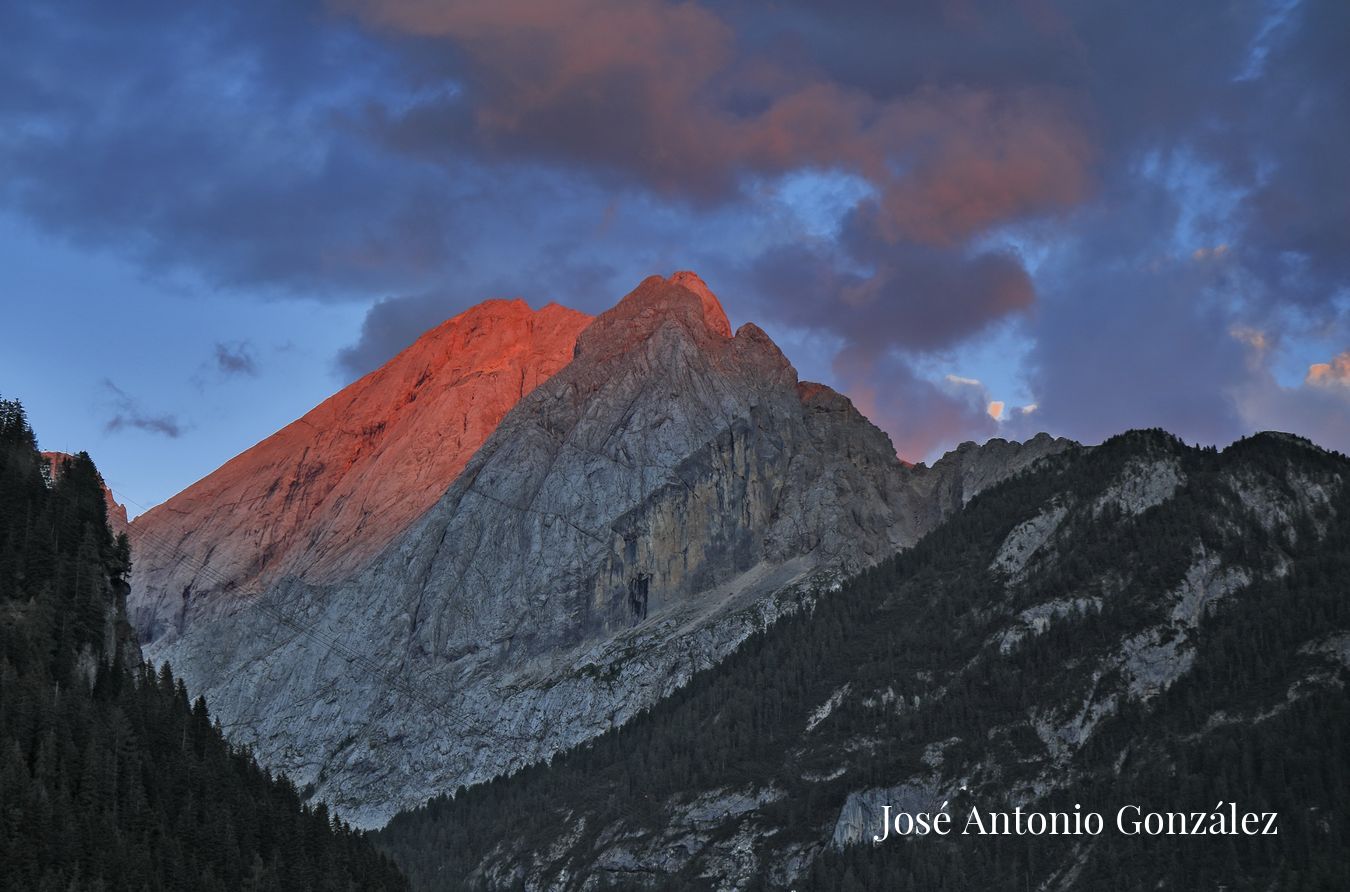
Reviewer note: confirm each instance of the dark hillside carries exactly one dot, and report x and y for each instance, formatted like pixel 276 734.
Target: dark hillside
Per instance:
pixel 109 778
pixel 1140 622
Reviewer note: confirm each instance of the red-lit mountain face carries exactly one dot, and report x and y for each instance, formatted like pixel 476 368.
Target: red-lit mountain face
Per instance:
pixel 319 498
pixel 630 520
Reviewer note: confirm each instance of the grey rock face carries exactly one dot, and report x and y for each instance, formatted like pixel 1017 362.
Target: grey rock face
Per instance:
pixel 1026 539
pixel 631 521
pixel 1143 484
pixel 860 818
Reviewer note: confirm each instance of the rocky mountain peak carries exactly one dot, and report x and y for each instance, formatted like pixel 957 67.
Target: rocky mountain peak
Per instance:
pixel 633 518
pixel 682 300
pixel 713 314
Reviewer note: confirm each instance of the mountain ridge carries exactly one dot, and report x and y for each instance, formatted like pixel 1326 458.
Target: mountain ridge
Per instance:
pixel 669 491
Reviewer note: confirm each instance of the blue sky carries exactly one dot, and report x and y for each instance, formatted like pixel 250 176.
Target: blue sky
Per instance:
pixel 1122 214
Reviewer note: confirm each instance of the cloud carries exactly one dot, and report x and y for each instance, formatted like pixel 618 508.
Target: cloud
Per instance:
pixel 909 296
pixel 127 414
pixel 1132 332
pixel 1252 148
pixel 236 358
pixel 1257 341
pixel 1334 374
pixel 391 325
pixel 672 97
pixel 1317 408
pixel 1122 184
pixel 560 275
pixel 923 419
pixel 1126 333
pixel 205 139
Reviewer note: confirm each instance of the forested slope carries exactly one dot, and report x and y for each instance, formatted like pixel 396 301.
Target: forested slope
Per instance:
pixel 1140 622
pixel 109 778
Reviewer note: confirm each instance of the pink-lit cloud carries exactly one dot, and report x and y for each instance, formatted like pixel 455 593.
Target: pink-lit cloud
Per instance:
pixel 1333 374
pixel 667 93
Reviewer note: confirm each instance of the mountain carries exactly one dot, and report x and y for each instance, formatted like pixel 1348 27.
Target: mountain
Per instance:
pixel 109 778
pixel 117 512
pixel 671 490
pixel 1140 624
pixel 319 498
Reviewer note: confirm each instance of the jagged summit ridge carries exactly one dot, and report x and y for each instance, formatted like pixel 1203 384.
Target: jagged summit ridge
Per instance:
pixel 680 300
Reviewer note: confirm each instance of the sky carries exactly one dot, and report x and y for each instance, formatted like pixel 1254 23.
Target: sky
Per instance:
pixel 975 219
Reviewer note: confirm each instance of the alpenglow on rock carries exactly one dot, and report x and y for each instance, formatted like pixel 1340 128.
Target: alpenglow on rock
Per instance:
pixel 630 521
pixel 321 497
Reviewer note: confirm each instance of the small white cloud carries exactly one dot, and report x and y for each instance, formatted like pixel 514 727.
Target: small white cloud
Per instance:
pixel 966 382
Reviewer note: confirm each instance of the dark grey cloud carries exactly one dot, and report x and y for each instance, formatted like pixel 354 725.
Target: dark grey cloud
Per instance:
pixel 555 275
pixel 126 413
pixel 208 138
pixel 909 297
pixel 1292 143
pixel 236 358
pixel 922 418
pixel 391 325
